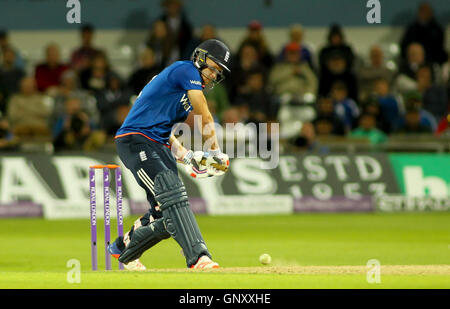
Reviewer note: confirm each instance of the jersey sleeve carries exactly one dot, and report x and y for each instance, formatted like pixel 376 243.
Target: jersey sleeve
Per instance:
pixel 187 77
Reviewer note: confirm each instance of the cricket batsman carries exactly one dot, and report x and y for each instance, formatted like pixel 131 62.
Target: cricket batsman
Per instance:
pixel 147 147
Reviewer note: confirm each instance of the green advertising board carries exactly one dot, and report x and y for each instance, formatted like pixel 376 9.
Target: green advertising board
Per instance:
pixel 423 181
pixel 422 174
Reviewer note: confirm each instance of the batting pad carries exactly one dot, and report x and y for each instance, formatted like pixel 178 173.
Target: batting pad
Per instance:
pixel 178 217
pixel 144 237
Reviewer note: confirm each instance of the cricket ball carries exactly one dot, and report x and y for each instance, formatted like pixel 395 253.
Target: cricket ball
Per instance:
pixel 265 258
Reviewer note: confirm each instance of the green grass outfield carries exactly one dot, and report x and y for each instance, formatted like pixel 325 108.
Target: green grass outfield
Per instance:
pixel 308 251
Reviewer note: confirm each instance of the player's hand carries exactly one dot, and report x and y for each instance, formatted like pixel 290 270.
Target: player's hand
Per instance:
pixel 216 162
pixel 193 164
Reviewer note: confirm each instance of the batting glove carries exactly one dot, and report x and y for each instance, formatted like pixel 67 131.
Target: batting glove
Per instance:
pixel 194 167
pixel 216 162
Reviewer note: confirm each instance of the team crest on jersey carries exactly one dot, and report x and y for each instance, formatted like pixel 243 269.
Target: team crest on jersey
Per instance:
pixel 185 102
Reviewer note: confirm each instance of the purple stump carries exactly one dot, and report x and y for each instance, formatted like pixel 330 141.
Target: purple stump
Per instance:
pixel 93 218
pixel 107 217
pixel 119 206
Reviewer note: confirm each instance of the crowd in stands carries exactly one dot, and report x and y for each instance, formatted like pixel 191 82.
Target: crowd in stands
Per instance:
pixel 78 105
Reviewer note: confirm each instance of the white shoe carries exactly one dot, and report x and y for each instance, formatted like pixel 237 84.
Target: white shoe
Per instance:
pixel 205 263
pixel 135 265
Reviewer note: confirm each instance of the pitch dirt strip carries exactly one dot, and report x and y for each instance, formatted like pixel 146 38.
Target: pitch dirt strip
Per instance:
pixel 322 270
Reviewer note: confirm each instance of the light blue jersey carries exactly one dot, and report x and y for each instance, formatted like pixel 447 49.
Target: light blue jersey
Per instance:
pixel 163 102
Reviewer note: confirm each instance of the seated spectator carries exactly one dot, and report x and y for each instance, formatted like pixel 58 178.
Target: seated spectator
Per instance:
pixel 391 112
pixel 256 37
pixel 146 71
pixel 48 74
pixel 10 76
pixel 247 61
pixel 162 43
pixel 296 35
pixel 95 77
pixel 345 108
pixel 426 31
pixel 73 131
pixel 337 69
pixel 371 106
pixel 336 43
pixel 443 126
pixel 435 98
pixel 414 101
pixel 373 71
pixel 29 111
pixel 70 89
pixel 19 62
pixel 326 117
pixel 109 101
pixel 82 57
pixel 253 99
pixel 292 76
pixel 7 139
pixel 405 80
pixel 367 128
pixel 178 27
pixel 413 123
pixel 208 31
pixel 326 126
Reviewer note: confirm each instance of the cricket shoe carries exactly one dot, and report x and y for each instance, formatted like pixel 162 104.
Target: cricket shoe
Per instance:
pixel 205 262
pixel 135 265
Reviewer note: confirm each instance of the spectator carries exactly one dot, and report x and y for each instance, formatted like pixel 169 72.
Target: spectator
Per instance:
pixel 336 43
pixel 95 77
pixel 414 101
pixel 162 43
pixel 326 117
pixel 112 102
pixel 337 69
pixel 292 76
pixel 208 32
pixel 253 99
pixel 296 34
pixel 367 129
pixel 146 71
pixel 72 130
pixel 82 57
pixel 434 96
pixel 256 37
pixel 373 71
pixel 29 111
pixel 179 26
pixel 413 123
pixel 444 126
pixel 70 89
pixel 6 45
pixel 7 139
pixel 391 111
pixel 247 61
pixel 325 126
pixel 48 74
pixel 426 31
pixel 10 76
pixel 405 81
pixel 345 108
